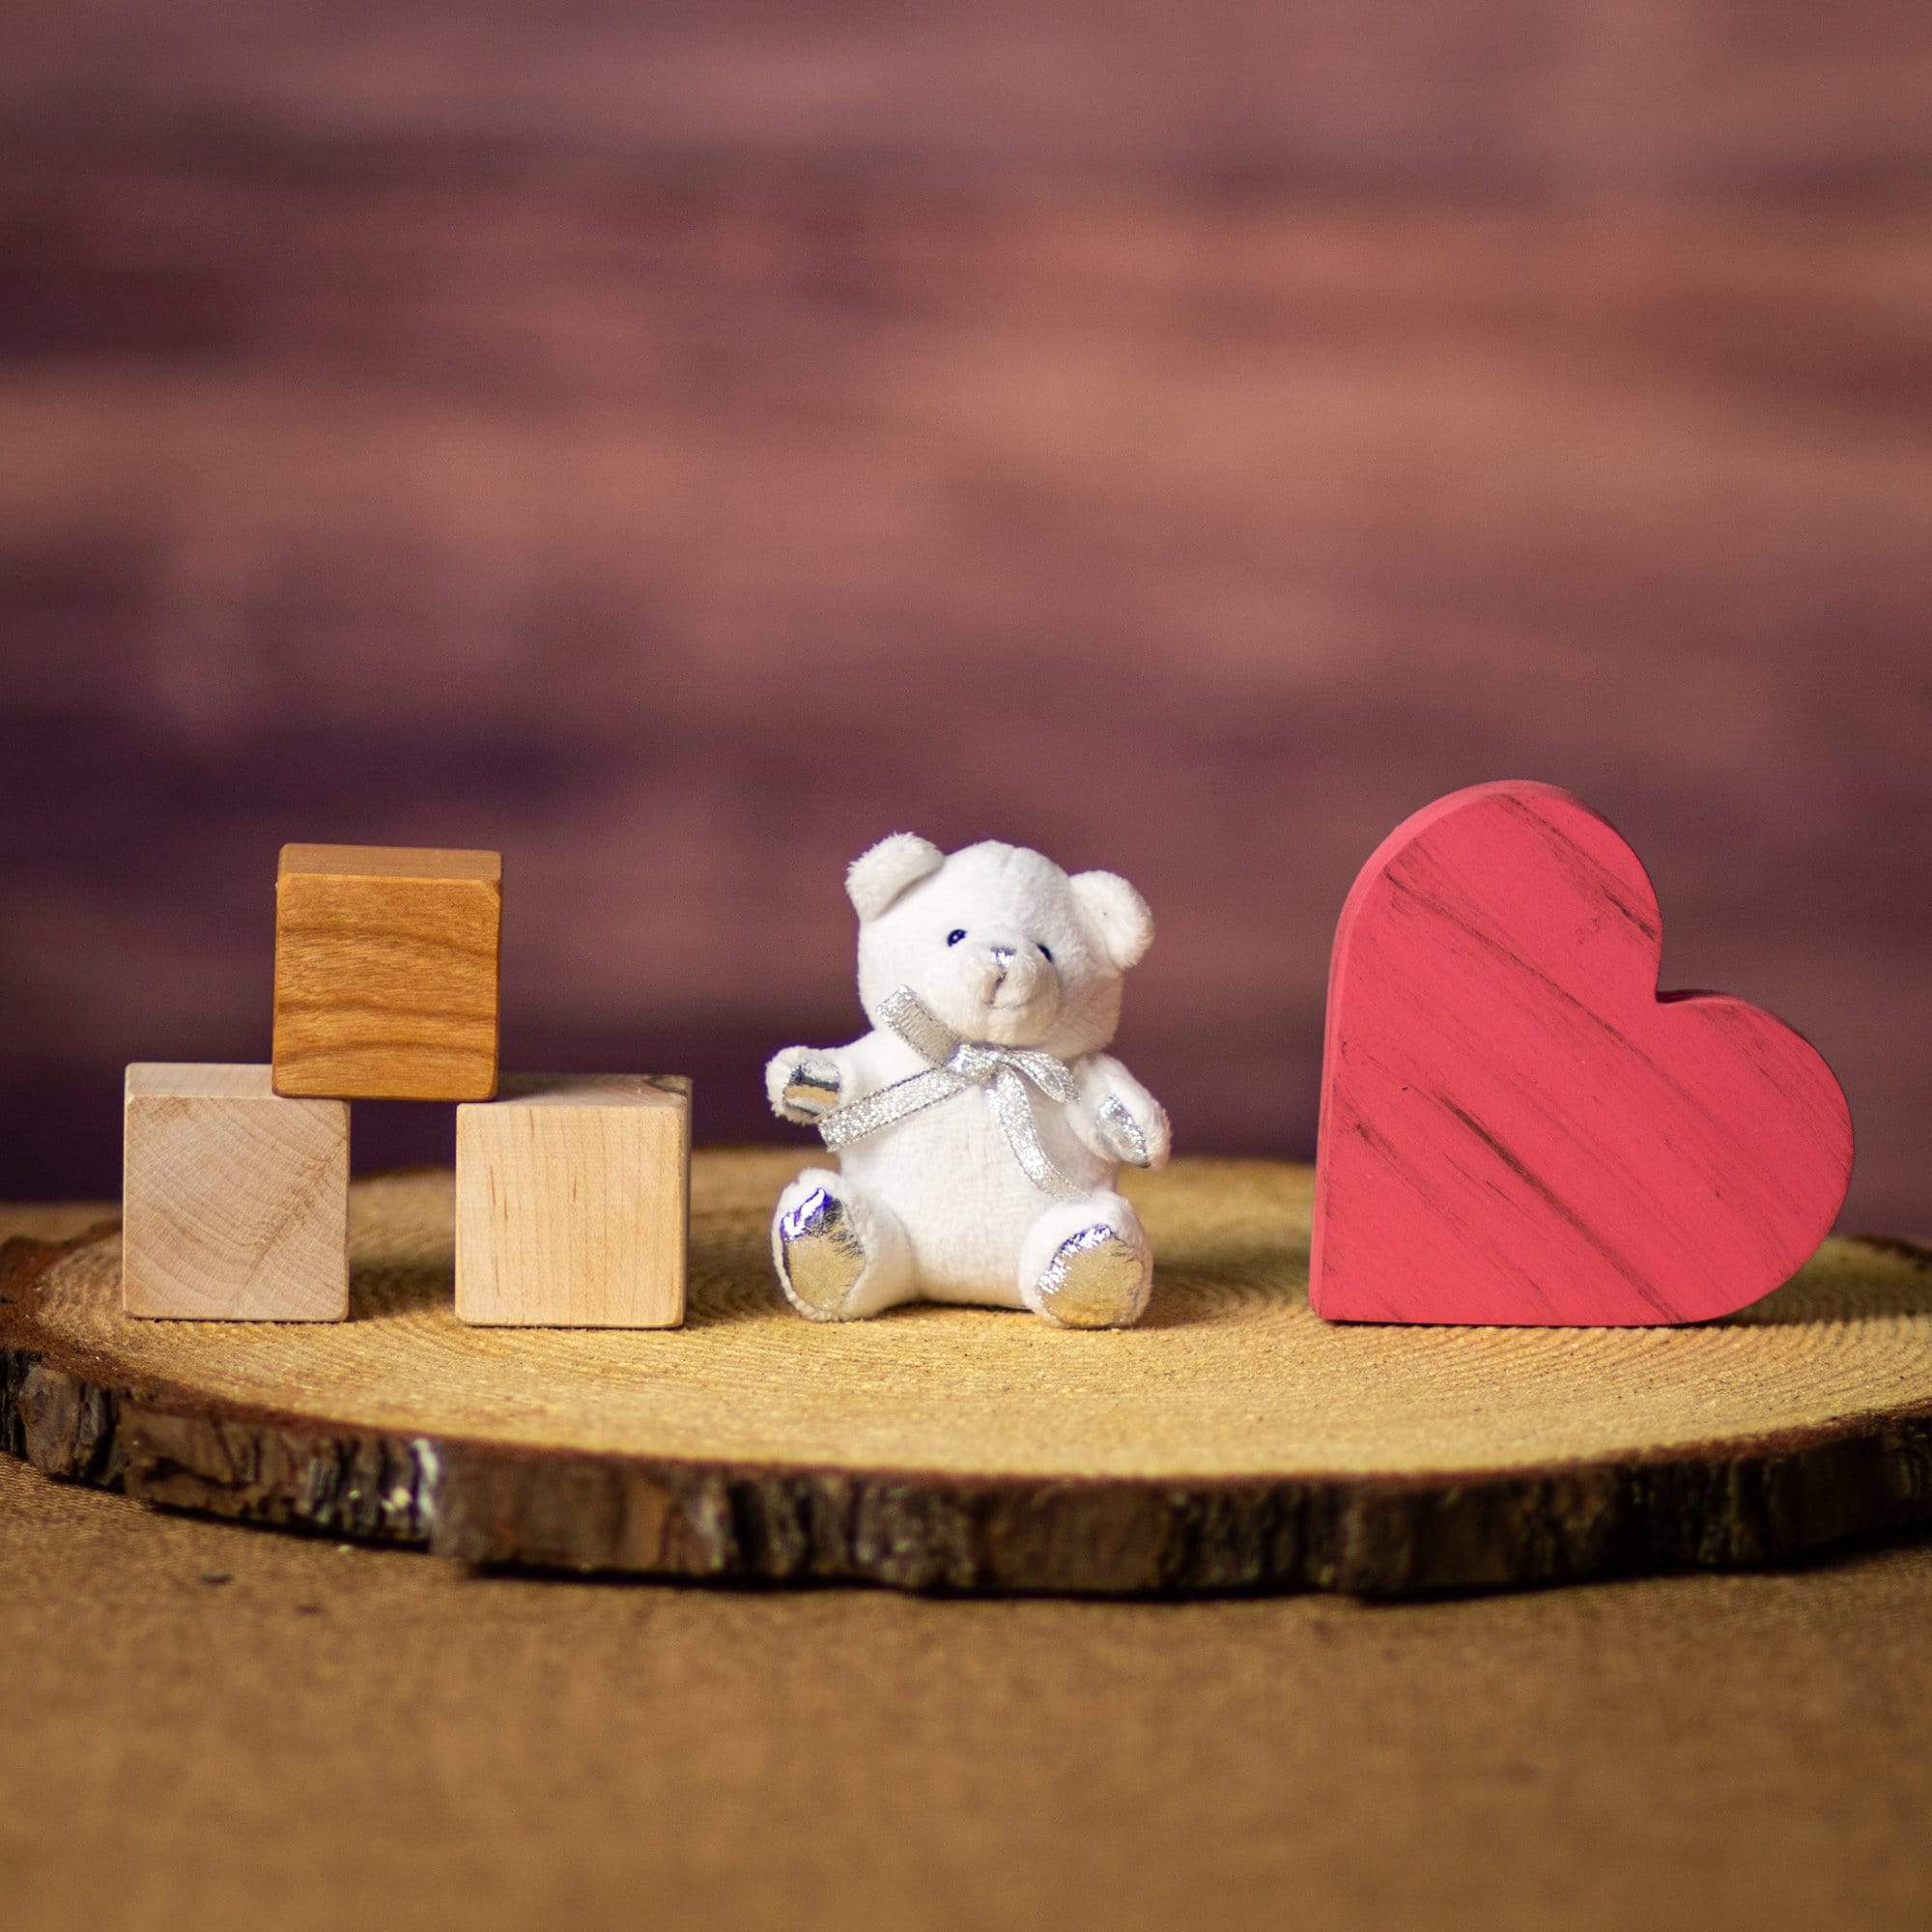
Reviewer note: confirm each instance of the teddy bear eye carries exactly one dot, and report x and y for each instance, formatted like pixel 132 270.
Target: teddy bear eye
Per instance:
pixel 1046 951
pixel 953 937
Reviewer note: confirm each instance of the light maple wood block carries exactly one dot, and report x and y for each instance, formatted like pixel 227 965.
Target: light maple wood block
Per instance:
pixel 235 1199
pixel 386 973
pixel 572 1196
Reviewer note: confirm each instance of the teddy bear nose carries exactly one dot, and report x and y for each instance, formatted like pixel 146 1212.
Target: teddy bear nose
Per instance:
pixel 1003 955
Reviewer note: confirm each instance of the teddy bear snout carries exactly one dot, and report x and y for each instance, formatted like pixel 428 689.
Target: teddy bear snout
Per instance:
pixel 1010 978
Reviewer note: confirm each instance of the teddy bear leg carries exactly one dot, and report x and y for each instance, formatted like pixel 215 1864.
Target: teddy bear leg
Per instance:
pixel 1086 1263
pixel 840 1254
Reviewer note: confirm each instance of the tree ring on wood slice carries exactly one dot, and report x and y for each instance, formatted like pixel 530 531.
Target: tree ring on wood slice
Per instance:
pixel 1231 1441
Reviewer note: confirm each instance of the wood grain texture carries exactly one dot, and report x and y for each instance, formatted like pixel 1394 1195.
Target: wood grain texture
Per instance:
pixel 572 1202
pixel 235 1201
pixel 425 864
pixel 467 425
pixel 1515 1125
pixel 1231 1441
pixel 386 973
pixel 1575 95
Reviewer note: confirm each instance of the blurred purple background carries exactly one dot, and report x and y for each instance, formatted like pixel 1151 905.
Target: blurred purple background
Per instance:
pixel 677 446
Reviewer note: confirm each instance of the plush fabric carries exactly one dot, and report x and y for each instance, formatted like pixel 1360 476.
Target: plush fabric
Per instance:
pixel 1003 948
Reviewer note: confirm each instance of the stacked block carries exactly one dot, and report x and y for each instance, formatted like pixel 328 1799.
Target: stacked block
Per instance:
pixel 572 1190
pixel 235 1201
pixel 572 1201
pixel 386 973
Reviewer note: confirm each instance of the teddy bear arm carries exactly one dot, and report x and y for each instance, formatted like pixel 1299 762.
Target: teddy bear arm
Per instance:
pixel 806 1083
pixel 1118 1118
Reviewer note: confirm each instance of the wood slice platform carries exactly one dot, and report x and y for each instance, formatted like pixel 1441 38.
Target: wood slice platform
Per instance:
pixel 1231 1442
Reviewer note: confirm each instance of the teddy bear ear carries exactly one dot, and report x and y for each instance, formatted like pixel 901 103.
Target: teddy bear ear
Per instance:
pixel 1118 913
pixel 876 878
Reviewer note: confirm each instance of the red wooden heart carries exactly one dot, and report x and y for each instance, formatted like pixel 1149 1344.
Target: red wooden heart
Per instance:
pixel 1516 1127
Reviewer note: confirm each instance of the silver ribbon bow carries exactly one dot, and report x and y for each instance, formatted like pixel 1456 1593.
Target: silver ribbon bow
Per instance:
pixel 956 1065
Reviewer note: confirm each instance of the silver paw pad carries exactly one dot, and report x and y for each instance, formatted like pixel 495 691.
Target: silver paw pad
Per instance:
pixel 813 1089
pixel 820 1255
pixel 1094 1280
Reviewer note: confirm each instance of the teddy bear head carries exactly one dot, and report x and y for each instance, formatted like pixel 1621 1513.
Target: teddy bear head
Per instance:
pixel 997 942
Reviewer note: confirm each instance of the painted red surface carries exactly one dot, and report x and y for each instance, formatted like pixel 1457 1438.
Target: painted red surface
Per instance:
pixel 1516 1127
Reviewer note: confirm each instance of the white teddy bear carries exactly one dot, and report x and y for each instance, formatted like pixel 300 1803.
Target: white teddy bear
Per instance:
pixel 979 1126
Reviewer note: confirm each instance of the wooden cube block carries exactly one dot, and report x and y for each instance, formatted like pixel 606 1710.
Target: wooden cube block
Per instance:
pixel 385 972
pixel 234 1200
pixel 572 1196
